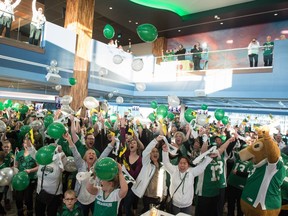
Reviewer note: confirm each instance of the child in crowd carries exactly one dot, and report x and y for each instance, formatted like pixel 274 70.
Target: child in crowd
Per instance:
pixel 108 196
pixel 8 160
pixel 70 207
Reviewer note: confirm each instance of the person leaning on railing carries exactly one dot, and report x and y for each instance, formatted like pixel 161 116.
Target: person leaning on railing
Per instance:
pixel 37 24
pixel 7 15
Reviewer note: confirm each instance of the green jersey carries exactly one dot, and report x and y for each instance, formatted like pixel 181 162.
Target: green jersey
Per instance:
pixel 243 167
pixel 26 162
pixel 268 48
pixel 263 185
pixel 107 206
pixel 284 186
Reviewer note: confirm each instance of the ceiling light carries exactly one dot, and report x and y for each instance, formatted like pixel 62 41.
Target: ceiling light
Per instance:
pixel 179 30
pixel 129 39
pixel 110 8
pixel 136 23
pixel 130 21
pixel 276 14
pixel 221 23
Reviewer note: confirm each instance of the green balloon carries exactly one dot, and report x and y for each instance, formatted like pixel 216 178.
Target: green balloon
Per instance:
pixel 154 104
pixel 204 107
pixel 225 120
pixel 24 130
pixel 72 81
pixel 48 120
pixel 15 107
pixel 20 181
pixel 106 169
pixel 113 118
pixel 147 32
pixel 189 115
pixel 23 109
pixel 108 31
pixel 44 155
pixel 94 119
pixel 170 116
pixel 162 111
pixel 152 117
pixel 219 114
pixel 1 106
pixel 56 130
pixel 8 103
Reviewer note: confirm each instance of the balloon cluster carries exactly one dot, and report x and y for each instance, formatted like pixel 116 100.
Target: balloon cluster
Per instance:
pixel 53 67
pixel 147 32
pixel 220 116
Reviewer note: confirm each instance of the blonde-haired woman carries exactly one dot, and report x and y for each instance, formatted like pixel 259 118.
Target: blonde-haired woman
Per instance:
pixel 86 199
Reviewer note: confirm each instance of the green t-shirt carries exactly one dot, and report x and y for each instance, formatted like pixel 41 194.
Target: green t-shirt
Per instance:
pixel 106 206
pixel 263 185
pixel 26 162
pixel 82 149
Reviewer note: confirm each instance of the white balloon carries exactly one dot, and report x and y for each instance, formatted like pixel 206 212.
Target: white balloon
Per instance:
pixel 103 71
pixel 36 125
pixel 90 103
pixel 137 64
pixel 140 86
pixel 173 101
pixel 67 109
pixel 119 100
pixel 117 59
pixel 201 119
pixel 110 95
pixel 49 69
pixel 2 126
pixel 67 99
pixel 53 63
pixel 70 165
pixel 58 87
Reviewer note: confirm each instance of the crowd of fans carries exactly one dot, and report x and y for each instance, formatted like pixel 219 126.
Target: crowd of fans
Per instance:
pixel 156 163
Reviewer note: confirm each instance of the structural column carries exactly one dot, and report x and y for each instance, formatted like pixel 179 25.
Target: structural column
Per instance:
pixel 79 18
pixel 159 47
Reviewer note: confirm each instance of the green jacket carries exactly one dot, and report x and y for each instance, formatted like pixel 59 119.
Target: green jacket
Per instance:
pixel 76 211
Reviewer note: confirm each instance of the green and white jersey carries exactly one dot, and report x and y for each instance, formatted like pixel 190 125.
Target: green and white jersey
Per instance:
pixel 284 186
pixel 238 181
pixel 263 185
pixel 106 206
pixel 208 182
pixel 221 170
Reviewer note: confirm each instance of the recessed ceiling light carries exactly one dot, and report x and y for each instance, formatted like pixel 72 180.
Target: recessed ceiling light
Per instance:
pixel 110 8
pixel 130 21
pixel 179 30
pixel 221 23
pixel 276 14
pixel 136 23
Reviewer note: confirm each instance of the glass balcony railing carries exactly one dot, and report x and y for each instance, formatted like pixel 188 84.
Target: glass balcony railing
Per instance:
pixel 207 60
pixel 20 28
